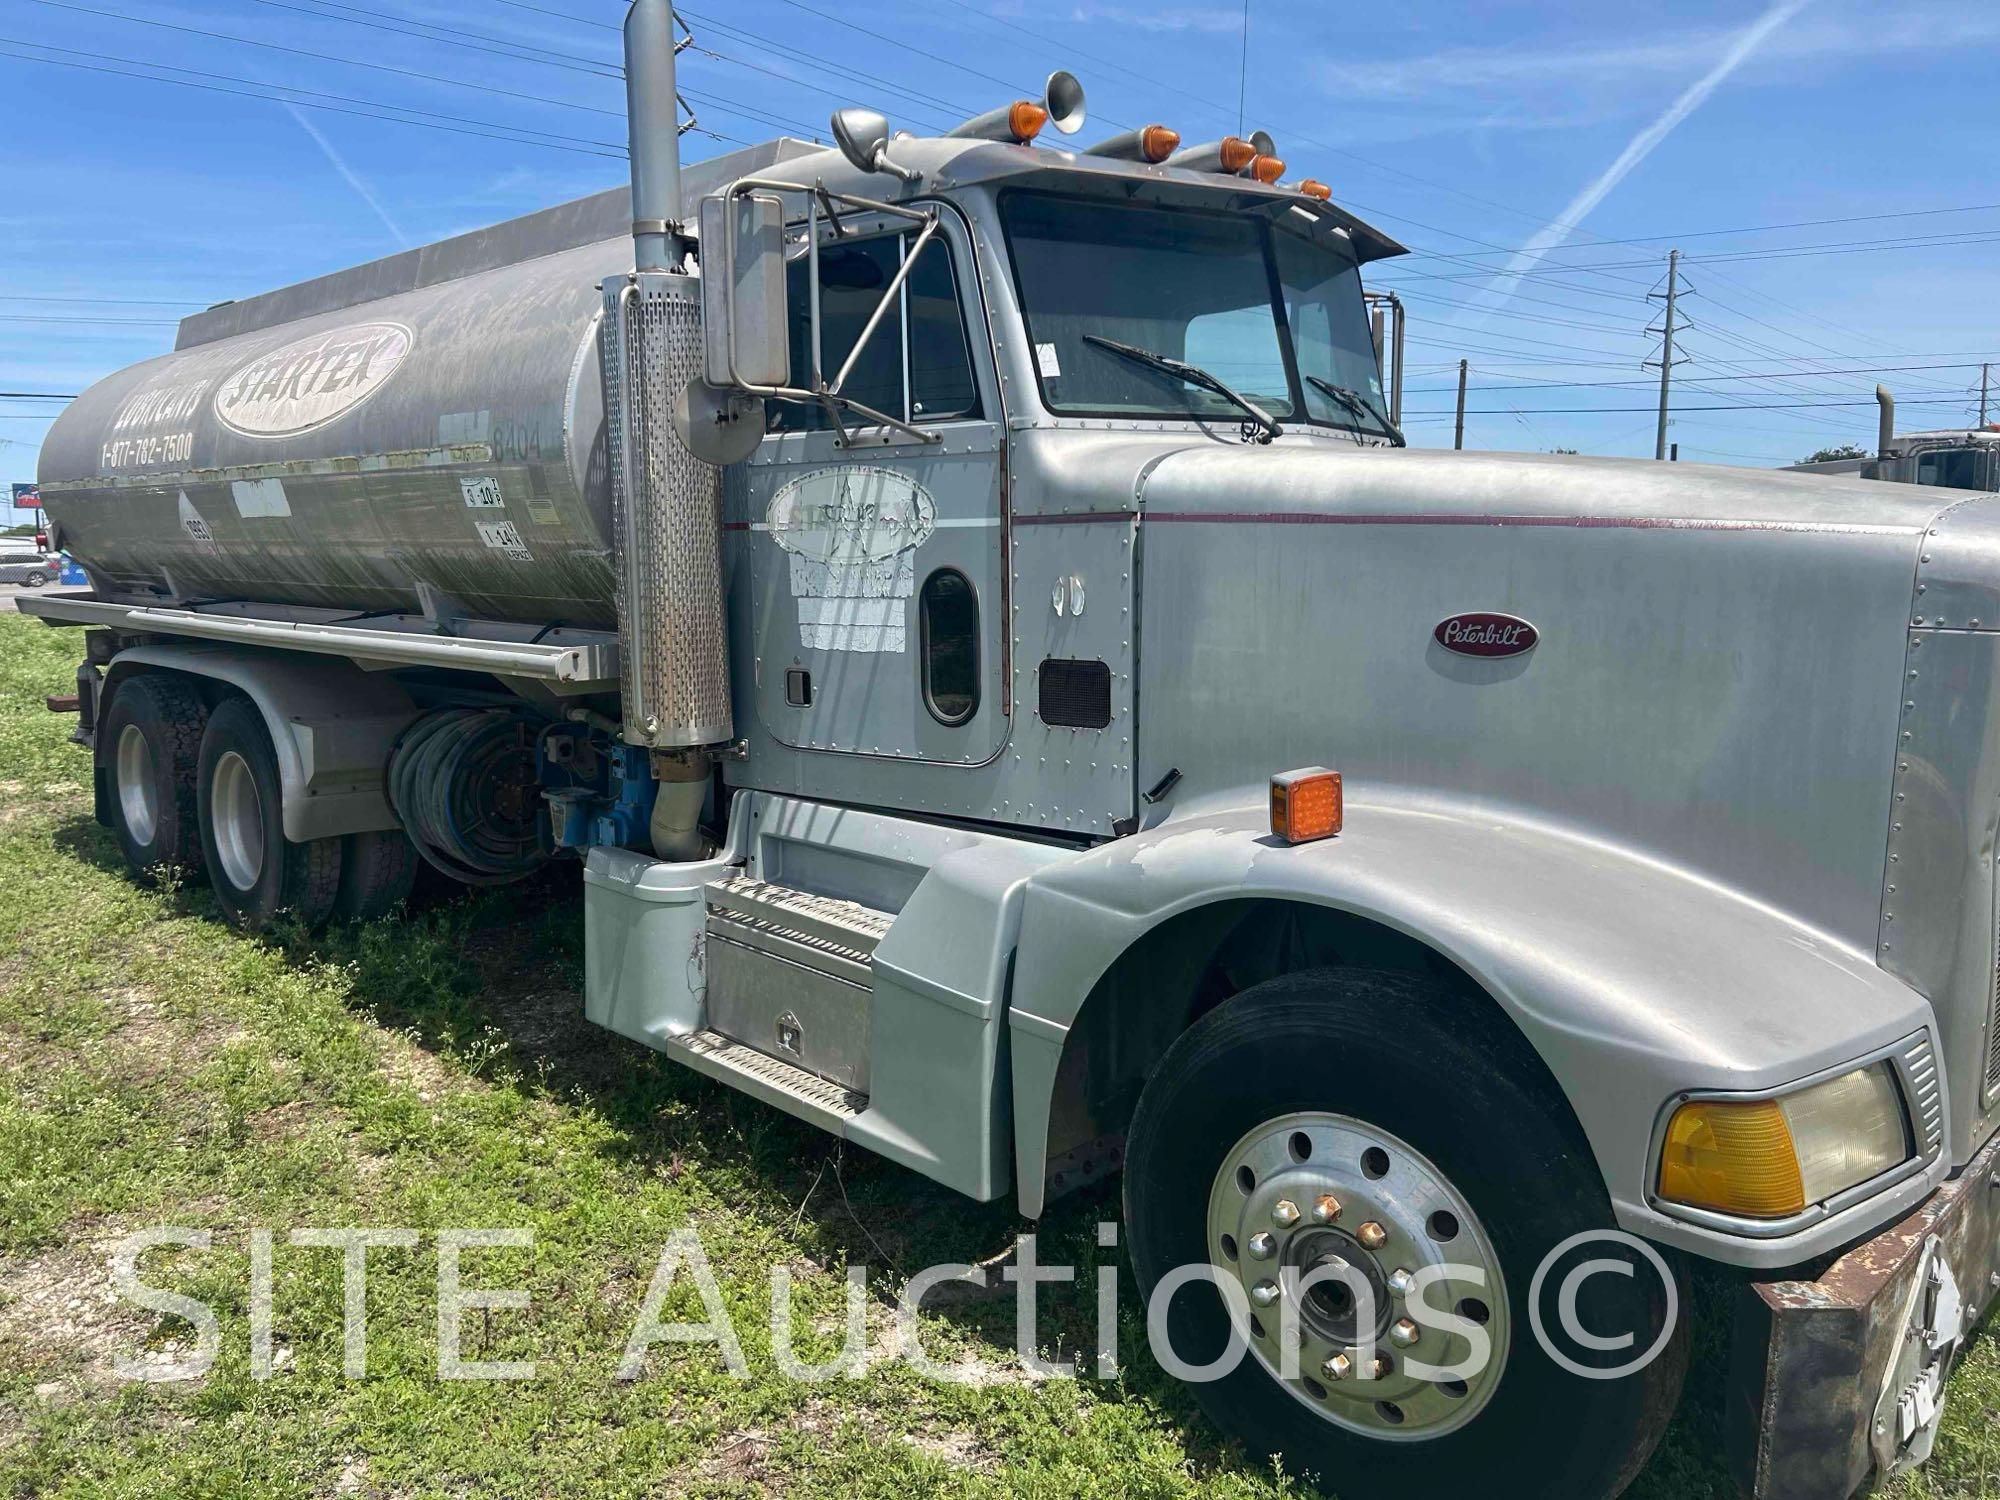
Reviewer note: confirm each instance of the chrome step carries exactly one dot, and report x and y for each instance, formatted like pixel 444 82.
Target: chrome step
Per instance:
pixel 771 1079
pixel 843 926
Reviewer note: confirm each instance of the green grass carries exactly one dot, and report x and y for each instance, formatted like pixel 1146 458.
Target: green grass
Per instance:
pixel 156 1068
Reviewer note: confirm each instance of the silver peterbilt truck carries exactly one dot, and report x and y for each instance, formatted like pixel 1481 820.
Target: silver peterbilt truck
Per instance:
pixel 1019 706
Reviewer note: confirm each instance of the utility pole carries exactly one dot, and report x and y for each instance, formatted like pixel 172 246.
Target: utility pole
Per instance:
pixel 1667 349
pixel 1458 439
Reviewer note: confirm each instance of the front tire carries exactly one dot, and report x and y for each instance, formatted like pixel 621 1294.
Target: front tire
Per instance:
pixel 36 579
pixel 259 875
pixel 1380 1124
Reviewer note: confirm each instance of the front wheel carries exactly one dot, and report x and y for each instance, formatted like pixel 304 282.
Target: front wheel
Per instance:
pixel 36 578
pixel 259 875
pixel 1370 1168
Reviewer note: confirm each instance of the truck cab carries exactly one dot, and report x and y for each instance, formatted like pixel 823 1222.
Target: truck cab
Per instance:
pixel 1018 705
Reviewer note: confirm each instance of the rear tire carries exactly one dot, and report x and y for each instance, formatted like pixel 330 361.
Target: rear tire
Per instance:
pixel 376 873
pixel 36 579
pixel 259 875
pixel 151 743
pixel 1322 1117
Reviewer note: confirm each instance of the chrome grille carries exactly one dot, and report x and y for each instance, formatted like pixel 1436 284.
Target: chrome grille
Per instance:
pixel 666 519
pixel 1920 1075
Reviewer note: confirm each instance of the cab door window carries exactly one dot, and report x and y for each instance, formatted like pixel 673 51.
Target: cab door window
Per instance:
pixel 917 366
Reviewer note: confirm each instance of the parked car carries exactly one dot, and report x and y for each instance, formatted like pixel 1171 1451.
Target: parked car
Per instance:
pixel 33 571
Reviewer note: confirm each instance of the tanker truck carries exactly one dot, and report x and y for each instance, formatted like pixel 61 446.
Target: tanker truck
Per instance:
pixel 1016 703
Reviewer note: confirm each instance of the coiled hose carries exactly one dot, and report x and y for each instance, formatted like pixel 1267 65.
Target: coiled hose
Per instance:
pixel 463 780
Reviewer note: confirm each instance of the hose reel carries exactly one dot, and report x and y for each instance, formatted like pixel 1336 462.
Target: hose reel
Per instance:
pixel 464 782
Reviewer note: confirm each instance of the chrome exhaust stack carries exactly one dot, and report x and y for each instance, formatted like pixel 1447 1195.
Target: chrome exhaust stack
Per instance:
pixel 653 127
pixel 665 502
pixel 1020 122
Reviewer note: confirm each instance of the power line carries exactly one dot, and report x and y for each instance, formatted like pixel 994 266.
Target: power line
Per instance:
pixel 1595 411
pixel 329 10
pixel 1761 375
pixel 333 57
pixel 370 109
pixel 36 396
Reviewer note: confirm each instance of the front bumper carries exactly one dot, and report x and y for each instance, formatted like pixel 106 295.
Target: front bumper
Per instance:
pixel 1838 1381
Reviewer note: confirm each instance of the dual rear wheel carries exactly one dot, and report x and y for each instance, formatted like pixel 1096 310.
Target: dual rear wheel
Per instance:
pixel 195 788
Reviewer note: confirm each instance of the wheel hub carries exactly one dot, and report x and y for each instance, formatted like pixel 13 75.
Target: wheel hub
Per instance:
pixel 137 799
pixel 1352 1248
pixel 238 815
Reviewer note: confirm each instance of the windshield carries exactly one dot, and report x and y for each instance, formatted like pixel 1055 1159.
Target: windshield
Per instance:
pixel 1268 312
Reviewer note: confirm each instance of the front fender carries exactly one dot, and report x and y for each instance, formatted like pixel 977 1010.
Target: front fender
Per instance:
pixel 1633 980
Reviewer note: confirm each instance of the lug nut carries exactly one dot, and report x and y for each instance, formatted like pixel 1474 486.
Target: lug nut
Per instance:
pixel 1338 1367
pixel 1326 1209
pixel 1400 1280
pixel 1384 1367
pixel 1285 1213
pixel 1264 1293
pixel 1372 1235
pixel 1403 1333
pixel 1262 1245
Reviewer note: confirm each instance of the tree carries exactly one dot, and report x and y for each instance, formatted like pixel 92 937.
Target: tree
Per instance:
pixel 1832 455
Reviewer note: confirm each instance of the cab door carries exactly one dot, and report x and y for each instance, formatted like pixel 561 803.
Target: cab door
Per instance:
pixel 875 563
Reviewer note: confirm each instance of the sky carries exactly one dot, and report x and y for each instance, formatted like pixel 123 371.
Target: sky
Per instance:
pixel 1824 165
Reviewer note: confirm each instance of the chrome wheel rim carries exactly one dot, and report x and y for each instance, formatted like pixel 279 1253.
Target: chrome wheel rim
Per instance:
pixel 238 817
pixel 138 800
pixel 1353 1253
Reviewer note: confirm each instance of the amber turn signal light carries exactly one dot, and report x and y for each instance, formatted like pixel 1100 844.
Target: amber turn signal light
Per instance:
pixel 1267 169
pixel 1734 1157
pixel 1157 143
pixel 1026 120
pixel 1317 190
pixel 1306 804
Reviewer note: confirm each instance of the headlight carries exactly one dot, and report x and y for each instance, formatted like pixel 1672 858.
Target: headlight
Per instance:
pixel 1772 1158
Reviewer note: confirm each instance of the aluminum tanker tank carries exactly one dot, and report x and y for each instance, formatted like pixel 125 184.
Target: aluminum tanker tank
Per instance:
pixel 440 445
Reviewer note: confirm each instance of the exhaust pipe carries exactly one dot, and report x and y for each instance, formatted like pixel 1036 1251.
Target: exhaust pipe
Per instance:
pixel 652 112
pixel 1021 121
pixel 1885 433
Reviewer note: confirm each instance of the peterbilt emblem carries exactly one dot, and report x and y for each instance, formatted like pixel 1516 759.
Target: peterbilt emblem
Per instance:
pixel 308 383
pixel 1479 633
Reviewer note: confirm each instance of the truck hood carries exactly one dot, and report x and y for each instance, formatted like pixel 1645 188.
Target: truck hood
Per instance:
pixel 1713 679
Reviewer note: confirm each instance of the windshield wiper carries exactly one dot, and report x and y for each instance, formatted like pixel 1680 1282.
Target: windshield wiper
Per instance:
pixel 1360 405
pixel 1195 375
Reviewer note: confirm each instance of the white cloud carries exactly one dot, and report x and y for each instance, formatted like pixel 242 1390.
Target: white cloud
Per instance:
pixel 1859 35
pixel 1739 51
pixel 353 179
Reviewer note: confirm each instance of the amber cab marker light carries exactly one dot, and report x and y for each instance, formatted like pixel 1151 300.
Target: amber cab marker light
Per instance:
pixel 1157 143
pixel 1026 120
pixel 1317 190
pixel 1236 153
pixel 1306 804
pixel 1267 169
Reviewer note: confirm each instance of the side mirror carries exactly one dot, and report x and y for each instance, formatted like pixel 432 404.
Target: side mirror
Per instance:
pixel 862 135
pixel 745 323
